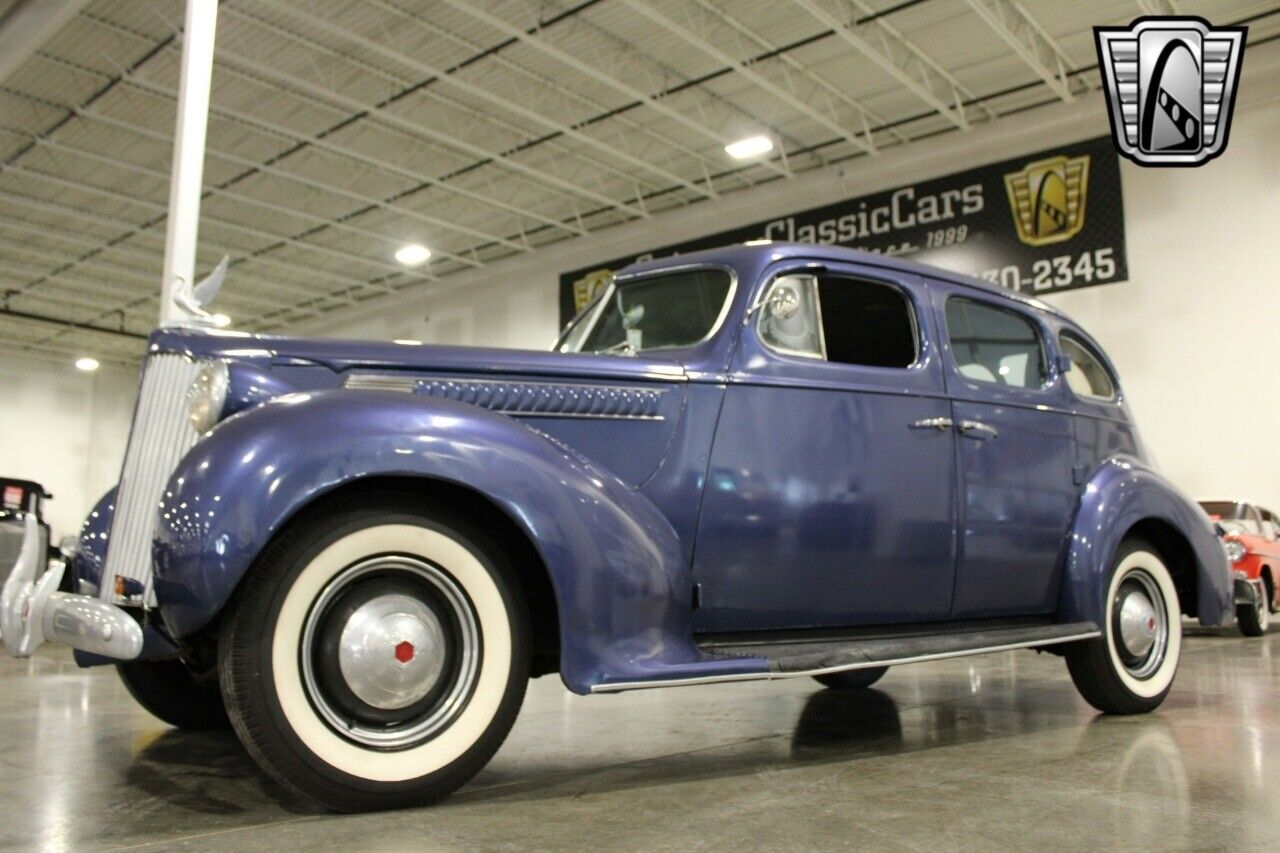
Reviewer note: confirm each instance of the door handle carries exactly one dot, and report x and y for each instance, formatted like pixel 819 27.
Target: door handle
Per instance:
pixel 977 429
pixel 940 424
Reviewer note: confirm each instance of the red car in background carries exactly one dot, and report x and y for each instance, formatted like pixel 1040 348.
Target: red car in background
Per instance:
pixel 1252 538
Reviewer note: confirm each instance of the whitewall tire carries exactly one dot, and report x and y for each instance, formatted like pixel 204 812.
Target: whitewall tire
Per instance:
pixel 377 654
pixel 1130 668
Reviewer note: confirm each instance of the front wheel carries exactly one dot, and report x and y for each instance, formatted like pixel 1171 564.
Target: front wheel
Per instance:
pixel 1130 668
pixel 168 690
pixel 1255 617
pixel 851 679
pixel 377 655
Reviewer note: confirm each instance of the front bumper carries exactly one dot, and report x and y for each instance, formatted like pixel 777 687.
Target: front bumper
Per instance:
pixel 33 611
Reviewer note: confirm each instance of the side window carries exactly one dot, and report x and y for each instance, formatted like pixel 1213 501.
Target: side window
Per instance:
pixel 844 320
pixel 995 345
pixel 1087 377
pixel 866 323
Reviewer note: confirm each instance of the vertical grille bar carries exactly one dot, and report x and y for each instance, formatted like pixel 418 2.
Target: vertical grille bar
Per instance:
pixel 160 437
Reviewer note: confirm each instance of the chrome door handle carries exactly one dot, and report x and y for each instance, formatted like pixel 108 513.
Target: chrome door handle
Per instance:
pixel 977 429
pixel 940 424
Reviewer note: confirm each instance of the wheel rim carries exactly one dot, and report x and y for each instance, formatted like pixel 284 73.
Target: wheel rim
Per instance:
pixel 390 652
pixel 1264 611
pixel 1140 626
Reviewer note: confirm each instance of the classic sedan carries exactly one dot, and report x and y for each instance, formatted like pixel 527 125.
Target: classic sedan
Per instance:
pixel 1251 535
pixel 756 462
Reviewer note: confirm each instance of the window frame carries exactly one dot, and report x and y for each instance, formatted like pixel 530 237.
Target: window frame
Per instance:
pixel 816 274
pixel 1047 383
pixel 1096 355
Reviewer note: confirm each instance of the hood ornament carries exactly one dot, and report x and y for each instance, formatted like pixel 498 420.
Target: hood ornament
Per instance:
pixel 193 300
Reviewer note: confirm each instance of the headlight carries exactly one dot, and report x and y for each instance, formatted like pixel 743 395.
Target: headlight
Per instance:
pixel 1235 550
pixel 207 395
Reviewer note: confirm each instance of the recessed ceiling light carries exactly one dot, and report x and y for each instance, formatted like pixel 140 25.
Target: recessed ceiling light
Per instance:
pixel 88 365
pixel 407 342
pixel 413 254
pixel 752 146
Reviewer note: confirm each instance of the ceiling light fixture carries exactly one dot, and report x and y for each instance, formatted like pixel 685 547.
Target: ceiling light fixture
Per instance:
pixel 413 254
pixel 88 365
pixel 751 146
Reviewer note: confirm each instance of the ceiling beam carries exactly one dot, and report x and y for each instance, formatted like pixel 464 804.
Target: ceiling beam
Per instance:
pixel 1016 28
pixel 28 26
pixel 897 57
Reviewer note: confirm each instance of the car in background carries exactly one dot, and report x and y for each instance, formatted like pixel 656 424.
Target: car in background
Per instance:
pixel 1251 535
pixel 17 498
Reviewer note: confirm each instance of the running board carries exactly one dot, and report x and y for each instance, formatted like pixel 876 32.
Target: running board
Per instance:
pixel 794 659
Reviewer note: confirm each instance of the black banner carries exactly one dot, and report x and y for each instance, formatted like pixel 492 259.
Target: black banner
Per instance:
pixel 1040 223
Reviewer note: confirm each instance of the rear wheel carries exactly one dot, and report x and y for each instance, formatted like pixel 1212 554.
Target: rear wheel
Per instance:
pixel 377 655
pixel 1130 668
pixel 852 679
pixel 168 690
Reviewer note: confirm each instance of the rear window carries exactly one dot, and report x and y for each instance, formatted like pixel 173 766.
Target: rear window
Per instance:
pixel 1087 376
pixel 995 345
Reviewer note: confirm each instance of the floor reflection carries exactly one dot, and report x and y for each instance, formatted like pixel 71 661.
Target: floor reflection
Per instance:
pixel 985 752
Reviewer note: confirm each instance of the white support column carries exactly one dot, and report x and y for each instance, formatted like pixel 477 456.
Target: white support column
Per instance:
pixel 186 178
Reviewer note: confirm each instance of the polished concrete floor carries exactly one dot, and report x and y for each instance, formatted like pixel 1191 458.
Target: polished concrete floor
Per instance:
pixel 992 752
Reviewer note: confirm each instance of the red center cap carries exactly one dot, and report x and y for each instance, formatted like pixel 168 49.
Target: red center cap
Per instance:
pixel 404 651
pixel 1151 626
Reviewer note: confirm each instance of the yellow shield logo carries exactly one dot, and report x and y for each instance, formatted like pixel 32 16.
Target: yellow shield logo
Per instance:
pixel 586 288
pixel 1047 199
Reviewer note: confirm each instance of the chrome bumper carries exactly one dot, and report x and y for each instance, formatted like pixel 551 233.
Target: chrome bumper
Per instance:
pixel 33 611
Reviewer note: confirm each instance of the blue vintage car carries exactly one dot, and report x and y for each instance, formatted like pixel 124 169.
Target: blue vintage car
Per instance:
pixel 757 462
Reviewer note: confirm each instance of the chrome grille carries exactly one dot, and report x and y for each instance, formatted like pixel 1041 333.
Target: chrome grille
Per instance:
pixel 160 437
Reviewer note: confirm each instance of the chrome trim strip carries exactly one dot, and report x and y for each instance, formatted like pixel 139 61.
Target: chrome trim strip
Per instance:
pixel 619 686
pixel 612 402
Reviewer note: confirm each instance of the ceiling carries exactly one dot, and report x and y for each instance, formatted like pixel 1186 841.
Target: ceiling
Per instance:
pixel 342 129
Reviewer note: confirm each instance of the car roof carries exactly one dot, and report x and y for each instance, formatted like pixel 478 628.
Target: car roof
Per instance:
pixel 757 253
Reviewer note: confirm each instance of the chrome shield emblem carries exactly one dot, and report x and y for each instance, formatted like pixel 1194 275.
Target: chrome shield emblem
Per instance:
pixel 1170 85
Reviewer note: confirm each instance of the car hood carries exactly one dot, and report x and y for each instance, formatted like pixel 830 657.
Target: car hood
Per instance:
pixel 346 355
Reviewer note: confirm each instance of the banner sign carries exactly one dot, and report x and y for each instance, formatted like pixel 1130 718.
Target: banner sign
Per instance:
pixel 1040 223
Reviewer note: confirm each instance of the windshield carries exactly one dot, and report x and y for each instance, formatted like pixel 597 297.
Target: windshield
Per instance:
pixel 666 311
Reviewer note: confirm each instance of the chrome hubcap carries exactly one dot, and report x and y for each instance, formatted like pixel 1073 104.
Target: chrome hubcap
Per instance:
pixel 390 652
pixel 1137 623
pixel 1140 627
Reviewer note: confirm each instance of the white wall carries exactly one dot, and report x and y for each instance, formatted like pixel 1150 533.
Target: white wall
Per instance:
pixel 65 429
pixel 1195 332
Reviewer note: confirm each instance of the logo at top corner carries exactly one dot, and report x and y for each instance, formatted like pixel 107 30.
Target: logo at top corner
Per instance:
pixel 1170 86
pixel 1047 199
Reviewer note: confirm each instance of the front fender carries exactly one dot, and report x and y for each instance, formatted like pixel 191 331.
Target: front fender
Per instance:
pixel 622 589
pixel 91 551
pixel 1120 493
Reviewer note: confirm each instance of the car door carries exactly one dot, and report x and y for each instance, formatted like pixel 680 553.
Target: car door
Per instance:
pixel 830 497
pixel 1015 450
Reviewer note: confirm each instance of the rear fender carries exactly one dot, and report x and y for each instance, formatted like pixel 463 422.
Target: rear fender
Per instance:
pixel 622 589
pixel 1120 493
